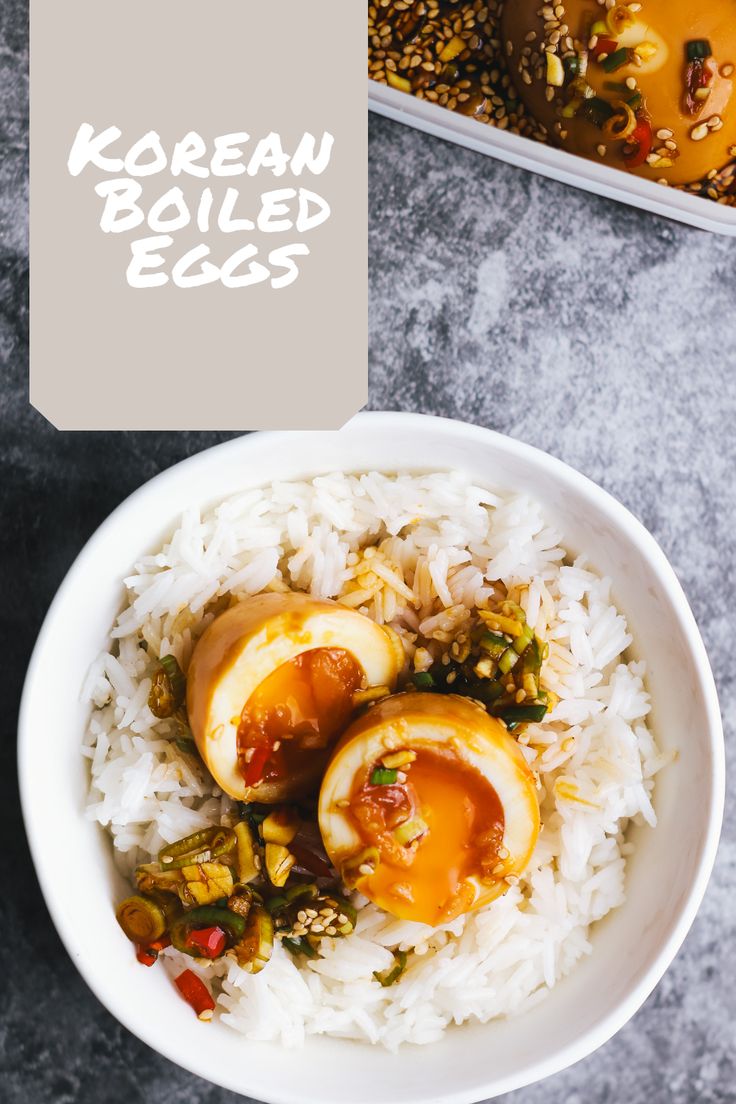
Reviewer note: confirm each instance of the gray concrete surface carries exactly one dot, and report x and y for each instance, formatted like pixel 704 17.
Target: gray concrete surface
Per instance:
pixel 603 335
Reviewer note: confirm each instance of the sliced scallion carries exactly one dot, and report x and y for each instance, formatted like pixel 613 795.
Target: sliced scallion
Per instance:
pixel 253 950
pixel 204 846
pixel 383 776
pixel 141 919
pixel 615 60
pixel 168 688
pixel 298 947
pixel 698 49
pixel 596 110
pixel 517 714
pixel 410 830
pixel 522 642
pixel 494 643
pixel 388 977
pixel 508 660
pixel 485 690
pixel 206 917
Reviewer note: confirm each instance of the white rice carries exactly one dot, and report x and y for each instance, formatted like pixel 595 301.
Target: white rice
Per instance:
pixel 444 543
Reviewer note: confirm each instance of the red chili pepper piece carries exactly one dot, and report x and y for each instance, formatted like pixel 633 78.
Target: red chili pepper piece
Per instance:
pixel 196 994
pixel 256 766
pixel 147 955
pixel 641 138
pixel 604 46
pixel 207 942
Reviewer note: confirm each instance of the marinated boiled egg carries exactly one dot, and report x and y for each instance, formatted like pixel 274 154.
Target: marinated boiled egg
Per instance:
pixel 271 684
pixel 428 807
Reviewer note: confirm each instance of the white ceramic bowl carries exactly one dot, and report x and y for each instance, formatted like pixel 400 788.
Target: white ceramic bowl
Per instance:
pixel 666 877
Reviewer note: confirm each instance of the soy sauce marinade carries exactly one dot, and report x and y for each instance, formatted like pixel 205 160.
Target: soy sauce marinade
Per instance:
pixel 452 53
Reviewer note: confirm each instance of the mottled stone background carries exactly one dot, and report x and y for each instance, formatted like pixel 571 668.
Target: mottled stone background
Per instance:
pixel 598 333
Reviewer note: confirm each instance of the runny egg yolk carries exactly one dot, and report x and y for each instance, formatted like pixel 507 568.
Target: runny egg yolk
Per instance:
pixel 426 879
pixel 299 708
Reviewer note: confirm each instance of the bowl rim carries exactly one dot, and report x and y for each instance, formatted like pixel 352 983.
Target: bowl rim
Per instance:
pixel 619 1014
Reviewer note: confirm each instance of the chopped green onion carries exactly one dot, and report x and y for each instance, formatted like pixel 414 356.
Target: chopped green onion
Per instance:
pixel 508 660
pixel 517 714
pixel 253 950
pixel 304 889
pixel 698 49
pixel 521 643
pixel 532 660
pixel 383 776
pixel 168 688
pixel 388 977
pixel 205 917
pixel 141 919
pixel 494 643
pixel 410 830
pixel 615 60
pixel 206 845
pixel 186 744
pixel 299 947
pixel 596 110
pixel 516 611
pixel 297 893
pixel 360 865
pixel 253 813
pixel 485 691
pixel 635 101
pixel 345 908
pixel 422 680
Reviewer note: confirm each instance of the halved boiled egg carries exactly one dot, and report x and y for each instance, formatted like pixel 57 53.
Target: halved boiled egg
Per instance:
pixel 428 807
pixel 271 684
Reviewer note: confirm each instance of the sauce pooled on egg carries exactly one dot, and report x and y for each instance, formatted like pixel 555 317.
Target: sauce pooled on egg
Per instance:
pixel 435 823
pixel 298 709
